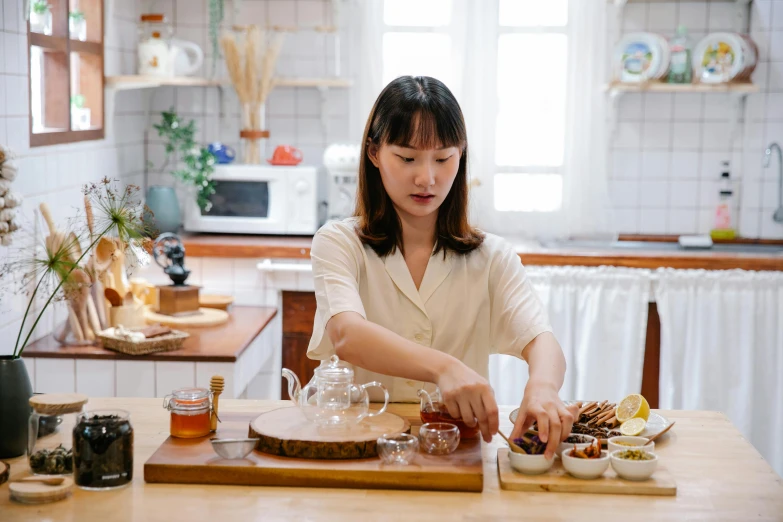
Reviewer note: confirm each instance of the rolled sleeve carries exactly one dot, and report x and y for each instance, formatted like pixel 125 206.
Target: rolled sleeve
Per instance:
pixel 335 260
pixel 517 314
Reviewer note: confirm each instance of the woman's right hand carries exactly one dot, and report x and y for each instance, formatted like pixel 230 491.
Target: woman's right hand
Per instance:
pixel 467 395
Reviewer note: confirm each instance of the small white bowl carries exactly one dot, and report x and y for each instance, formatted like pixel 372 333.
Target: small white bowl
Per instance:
pixel 634 469
pixel 570 445
pixel 585 468
pixel 640 443
pixel 530 464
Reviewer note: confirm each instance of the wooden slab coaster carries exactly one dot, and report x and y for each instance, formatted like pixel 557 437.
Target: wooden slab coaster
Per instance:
pixel 204 317
pixel 557 480
pixel 58 403
pixel 287 433
pixel 37 493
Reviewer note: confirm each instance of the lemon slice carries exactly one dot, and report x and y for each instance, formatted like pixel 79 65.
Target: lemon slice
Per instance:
pixel 632 407
pixel 633 426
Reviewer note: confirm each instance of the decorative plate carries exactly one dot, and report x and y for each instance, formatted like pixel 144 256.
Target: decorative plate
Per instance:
pixel 719 57
pixel 655 424
pixel 638 57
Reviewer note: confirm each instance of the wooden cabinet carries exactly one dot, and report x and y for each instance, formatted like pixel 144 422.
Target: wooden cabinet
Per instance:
pixel 298 316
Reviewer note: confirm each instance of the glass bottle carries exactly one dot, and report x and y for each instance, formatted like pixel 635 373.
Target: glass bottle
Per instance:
pixel 680 69
pixel 252 134
pixel 53 415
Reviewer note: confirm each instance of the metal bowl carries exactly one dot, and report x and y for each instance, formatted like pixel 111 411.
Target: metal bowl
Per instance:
pixel 233 448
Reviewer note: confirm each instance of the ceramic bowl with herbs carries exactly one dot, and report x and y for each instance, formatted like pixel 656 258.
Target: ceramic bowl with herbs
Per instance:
pixel 625 442
pixel 527 455
pixel 575 440
pixel 589 463
pixel 634 464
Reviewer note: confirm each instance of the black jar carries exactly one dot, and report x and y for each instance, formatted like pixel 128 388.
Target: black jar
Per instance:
pixel 103 449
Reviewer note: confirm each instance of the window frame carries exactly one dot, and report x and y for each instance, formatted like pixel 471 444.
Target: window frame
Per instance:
pixel 64 44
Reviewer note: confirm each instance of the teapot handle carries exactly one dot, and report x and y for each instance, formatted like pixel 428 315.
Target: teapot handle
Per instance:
pixel 385 397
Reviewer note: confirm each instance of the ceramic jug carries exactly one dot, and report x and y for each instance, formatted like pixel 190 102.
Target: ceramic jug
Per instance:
pixel 185 58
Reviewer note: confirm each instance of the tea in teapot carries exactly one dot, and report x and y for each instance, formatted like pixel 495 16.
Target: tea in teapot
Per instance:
pixel 433 410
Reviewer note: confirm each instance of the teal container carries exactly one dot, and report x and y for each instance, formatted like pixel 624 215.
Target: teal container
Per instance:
pixel 162 202
pixel 15 393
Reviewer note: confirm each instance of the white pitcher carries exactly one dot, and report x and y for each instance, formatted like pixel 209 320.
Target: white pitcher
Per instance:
pixel 185 57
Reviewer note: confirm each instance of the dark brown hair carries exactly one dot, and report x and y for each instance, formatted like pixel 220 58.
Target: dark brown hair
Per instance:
pixel 422 109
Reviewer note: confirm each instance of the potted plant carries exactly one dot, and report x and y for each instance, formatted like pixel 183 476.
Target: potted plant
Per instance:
pixel 77 25
pixel 40 17
pixel 197 166
pixel 60 270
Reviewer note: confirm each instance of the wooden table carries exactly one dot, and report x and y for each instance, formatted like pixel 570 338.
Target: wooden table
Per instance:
pixel 719 477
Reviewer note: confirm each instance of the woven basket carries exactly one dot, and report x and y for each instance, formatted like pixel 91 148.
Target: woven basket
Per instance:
pixel 164 343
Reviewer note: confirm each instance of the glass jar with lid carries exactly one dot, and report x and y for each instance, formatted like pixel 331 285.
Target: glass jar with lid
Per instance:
pixel 190 412
pixel 154 47
pixel 103 449
pixel 49 446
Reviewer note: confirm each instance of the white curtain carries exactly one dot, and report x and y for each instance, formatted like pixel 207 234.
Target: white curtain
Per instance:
pixel 473 65
pixel 722 349
pixel 599 316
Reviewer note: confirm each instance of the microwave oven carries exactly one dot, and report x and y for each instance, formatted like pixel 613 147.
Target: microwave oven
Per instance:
pixel 258 199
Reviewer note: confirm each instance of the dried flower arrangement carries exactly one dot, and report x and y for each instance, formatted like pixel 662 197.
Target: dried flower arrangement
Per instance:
pixel 114 229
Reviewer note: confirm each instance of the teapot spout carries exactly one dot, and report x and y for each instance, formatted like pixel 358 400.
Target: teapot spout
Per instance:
pixel 294 386
pixel 426 400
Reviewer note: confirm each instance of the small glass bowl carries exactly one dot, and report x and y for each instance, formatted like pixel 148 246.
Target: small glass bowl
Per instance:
pixel 398 448
pixel 439 438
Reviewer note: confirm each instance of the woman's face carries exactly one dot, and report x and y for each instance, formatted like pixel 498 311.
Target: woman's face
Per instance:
pixel 417 180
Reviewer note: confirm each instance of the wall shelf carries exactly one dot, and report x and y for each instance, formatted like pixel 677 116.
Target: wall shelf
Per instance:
pixel 130 82
pixel 737 91
pixel 617 88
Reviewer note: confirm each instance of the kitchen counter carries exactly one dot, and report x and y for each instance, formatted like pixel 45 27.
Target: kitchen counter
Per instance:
pixel 719 476
pixel 245 351
pixel 231 246
pixel 222 343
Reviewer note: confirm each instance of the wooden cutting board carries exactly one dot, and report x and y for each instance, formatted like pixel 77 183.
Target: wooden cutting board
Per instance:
pixel 205 317
pixel 557 480
pixel 192 461
pixel 287 432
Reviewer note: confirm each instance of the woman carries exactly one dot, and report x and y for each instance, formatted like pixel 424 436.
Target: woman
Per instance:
pixel 409 293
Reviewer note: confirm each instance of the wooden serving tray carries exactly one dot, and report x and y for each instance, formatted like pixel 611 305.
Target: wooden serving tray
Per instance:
pixel 192 461
pixel 556 479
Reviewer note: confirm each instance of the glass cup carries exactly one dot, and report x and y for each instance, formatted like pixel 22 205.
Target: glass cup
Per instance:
pixel 439 438
pixel 397 449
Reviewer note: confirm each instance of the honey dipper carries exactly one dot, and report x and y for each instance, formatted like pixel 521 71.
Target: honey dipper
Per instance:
pixel 216 384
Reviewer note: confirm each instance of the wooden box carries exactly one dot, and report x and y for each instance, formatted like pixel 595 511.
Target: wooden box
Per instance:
pixel 178 300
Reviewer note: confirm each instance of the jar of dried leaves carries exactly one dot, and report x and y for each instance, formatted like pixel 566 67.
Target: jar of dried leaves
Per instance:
pixel 103 449
pixel 54 416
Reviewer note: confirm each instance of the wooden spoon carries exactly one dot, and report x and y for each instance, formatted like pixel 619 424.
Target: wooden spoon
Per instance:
pixel 113 296
pixel 652 439
pixel 104 253
pixel 49 481
pixel 514 447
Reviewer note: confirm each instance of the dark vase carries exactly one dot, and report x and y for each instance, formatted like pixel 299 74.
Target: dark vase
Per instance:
pixel 162 201
pixel 15 393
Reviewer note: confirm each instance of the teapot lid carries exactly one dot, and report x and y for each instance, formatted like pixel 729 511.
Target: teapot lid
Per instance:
pixel 335 370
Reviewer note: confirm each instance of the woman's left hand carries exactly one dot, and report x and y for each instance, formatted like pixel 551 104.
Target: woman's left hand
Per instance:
pixel 542 404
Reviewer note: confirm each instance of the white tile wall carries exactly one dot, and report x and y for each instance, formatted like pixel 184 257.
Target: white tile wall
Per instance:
pixel 55 174
pixel 673 145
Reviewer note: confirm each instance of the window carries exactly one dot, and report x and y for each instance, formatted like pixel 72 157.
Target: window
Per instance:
pixel 65 41
pixel 518 74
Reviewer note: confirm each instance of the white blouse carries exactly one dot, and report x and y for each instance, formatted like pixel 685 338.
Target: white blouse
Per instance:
pixel 468 306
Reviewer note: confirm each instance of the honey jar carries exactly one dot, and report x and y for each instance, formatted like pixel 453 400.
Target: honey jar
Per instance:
pixel 190 412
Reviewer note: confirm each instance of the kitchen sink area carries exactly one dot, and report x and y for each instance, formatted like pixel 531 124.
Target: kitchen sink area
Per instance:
pixel 661 246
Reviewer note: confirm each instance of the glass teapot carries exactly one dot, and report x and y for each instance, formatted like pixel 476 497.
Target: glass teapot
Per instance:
pixel 331 398
pixel 433 410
